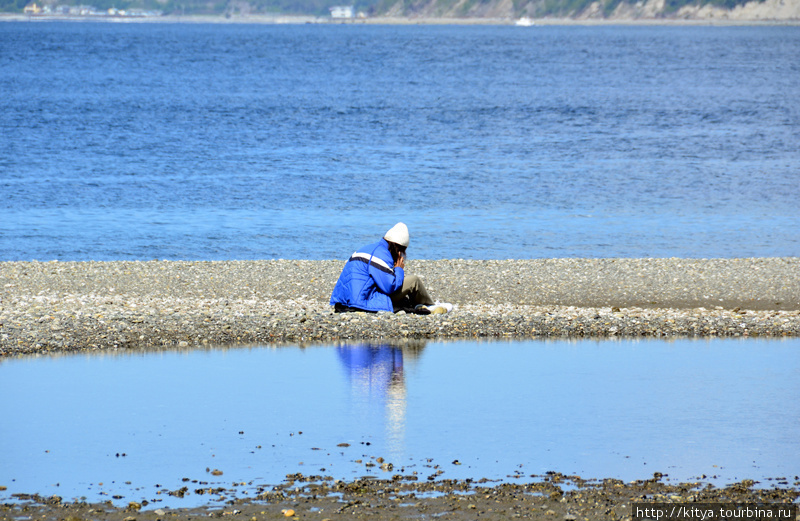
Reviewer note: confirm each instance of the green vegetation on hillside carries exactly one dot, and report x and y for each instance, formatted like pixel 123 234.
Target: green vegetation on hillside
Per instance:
pixel 12 6
pixel 17 6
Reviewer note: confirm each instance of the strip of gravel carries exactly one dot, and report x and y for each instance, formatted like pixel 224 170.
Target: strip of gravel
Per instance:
pixel 72 306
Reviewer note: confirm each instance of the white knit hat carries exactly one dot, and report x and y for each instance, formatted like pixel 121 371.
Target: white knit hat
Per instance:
pixel 398 234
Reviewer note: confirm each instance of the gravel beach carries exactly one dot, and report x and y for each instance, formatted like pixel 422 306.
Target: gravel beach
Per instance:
pixel 48 307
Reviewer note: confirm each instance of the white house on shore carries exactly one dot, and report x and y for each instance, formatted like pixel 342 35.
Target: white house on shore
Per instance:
pixel 341 11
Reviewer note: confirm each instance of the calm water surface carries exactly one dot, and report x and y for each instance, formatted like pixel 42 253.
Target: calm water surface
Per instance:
pixel 128 424
pixel 209 142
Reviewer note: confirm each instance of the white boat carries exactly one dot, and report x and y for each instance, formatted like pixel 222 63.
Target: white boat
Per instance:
pixel 524 22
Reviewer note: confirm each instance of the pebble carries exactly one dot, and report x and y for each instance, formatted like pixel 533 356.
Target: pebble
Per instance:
pixel 51 307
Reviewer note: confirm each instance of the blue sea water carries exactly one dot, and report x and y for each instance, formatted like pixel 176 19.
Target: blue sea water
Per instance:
pixel 207 142
pixel 132 425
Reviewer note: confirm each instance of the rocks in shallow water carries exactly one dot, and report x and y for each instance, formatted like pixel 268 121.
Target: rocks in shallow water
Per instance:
pixel 401 497
pixel 52 307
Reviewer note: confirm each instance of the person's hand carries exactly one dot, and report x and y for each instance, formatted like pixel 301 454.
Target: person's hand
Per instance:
pixel 401 261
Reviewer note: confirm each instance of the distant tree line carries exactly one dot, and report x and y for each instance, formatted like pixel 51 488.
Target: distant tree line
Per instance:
pixel 17 6
pixel 538 8
pixel 12 6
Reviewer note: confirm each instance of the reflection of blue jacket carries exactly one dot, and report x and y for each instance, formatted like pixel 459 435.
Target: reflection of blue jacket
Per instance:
pixel 372 363
pixel 368 278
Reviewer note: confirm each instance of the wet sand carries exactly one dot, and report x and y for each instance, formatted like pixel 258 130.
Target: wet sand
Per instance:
pixel 48 307
pixel 551 497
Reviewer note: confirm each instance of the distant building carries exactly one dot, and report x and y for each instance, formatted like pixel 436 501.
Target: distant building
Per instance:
pixel 342 11
pixel 32 9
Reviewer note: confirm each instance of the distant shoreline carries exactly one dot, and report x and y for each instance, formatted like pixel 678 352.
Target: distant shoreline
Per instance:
pixel 311 20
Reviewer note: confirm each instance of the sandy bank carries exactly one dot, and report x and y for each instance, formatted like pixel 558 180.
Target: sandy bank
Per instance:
pixel 72 306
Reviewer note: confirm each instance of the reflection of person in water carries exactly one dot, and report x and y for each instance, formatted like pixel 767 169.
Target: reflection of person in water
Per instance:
pixel 374 369
pixel 376 376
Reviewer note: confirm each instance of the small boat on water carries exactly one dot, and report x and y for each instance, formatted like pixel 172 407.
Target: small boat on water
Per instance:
pixel 524 22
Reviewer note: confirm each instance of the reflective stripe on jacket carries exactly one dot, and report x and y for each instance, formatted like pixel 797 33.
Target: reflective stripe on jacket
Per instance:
pixel 368 279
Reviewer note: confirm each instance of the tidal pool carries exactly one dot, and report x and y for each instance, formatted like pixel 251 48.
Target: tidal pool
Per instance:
pixel 134 426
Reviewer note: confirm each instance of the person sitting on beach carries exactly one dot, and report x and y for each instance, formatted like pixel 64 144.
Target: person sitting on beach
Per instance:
pixel 374 279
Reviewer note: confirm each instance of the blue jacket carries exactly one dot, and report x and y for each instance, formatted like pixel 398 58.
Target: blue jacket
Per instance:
pixel 368 279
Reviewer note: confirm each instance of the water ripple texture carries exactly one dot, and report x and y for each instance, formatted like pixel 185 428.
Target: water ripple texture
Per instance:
pixel 214 142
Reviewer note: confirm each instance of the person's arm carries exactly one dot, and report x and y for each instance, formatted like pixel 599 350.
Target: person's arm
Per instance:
pixel 388 282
